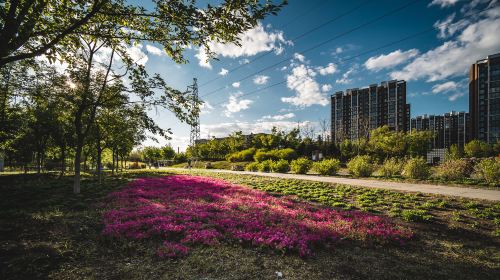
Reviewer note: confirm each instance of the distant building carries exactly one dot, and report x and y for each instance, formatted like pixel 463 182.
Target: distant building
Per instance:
pixel 450 128
pixel 357 111
pixel 484 99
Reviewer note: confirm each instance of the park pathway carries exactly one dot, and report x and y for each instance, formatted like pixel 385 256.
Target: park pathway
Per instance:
pixel 475 193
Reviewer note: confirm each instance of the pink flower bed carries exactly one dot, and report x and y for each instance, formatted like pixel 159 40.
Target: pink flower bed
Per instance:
pixel 187 210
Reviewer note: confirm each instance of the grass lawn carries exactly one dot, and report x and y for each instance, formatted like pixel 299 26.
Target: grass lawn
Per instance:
pixel 47 232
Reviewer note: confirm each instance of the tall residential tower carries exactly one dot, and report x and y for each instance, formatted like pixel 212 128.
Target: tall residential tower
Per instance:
pixel 357 111
pixel 484 99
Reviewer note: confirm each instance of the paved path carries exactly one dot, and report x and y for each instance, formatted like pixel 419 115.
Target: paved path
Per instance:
pixel 475 193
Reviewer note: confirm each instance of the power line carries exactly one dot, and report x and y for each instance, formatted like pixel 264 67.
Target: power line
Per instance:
pixel 324 42
pixel 293 40
pixel 414 35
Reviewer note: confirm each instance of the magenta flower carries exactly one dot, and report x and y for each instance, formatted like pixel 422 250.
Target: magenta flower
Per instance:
pixel 187 210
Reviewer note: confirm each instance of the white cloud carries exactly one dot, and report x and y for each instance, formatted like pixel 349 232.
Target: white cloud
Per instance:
pixel 448 28
pixel 455 96
pixel 339 50
pixel 444 87
pixel 154 50
pixel 206 108
pixel 224 129
pixel 392 59
pixel 253 41
pixel 345 77
pixel 223 72
pixel 137 55
pixel 244 61
pixel 279 117
pixel 236 84
pixel 443 3
pixel 326 87
pixel 235 104
pixel 329 69
pixel 299 57
pixel 260 79
pixel 453 58
pixel 307 90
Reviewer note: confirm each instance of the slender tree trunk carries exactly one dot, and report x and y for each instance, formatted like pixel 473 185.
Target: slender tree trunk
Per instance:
pixel 113 162
pixel 99 164
pixel 38 163
pixel 63 161
pixel 78 159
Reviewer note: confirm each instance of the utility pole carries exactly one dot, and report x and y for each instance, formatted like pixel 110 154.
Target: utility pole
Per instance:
pixel 195 126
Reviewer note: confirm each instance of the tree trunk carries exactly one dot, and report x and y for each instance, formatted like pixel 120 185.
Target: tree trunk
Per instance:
pixel 113 162
pixel 99 164
pixel 78 159
pixel 63 161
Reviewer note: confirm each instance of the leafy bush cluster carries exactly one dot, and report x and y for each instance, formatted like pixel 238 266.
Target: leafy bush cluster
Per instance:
pixel 327 166
pixel 453 169
pixel 277 154
pixel 488 170
pixel 360 166
pixel 416 168
pixel 300 165
pixel 391 167
pixel 244 155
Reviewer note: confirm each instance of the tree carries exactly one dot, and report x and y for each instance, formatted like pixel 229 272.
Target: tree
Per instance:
pixel 32 28
pixel 419 142
pixel 454 152
pixel 152 154
pixel 167 152
pixel 385 143
pixel 477 148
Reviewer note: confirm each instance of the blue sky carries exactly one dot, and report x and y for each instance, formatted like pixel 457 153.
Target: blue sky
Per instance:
pixel 435 64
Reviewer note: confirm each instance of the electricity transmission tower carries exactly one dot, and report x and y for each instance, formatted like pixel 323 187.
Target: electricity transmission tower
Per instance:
pixel 195 126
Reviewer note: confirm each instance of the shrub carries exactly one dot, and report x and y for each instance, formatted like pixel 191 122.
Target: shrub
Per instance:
pixel 453 169
pixel 244 155
pixel 391 167
pixel 360 166
pixel 265 166
pixel 209 165
pixel 488 170
pixel 252 166
pixel 180 157
pixel 327 166
pixel 280 166
pixel 477 148
pixel 300 165
pixel 416 168
pixel 286 154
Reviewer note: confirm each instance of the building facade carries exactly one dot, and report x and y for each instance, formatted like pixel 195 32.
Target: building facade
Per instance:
pixel 357 111
pixel 450 128
pixel 484 99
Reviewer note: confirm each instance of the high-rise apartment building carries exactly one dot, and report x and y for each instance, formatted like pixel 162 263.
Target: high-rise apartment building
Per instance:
pixel 450 128
pixel 484 99
pixel 357 111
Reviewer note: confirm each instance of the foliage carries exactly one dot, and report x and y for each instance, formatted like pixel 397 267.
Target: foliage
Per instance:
pixel 180 157
pixel 454 152
pixel 477 148
pixel 417 215
pixel 385 143
pixel 488 170
pixel 244 155
pixel 227 214
pixel 252 166
pixel 390 168
pixel 453 169
pixel 300 165
pixel 416 168
pixel 360 166
pixel 326 166
pixel 418 142
pixel 277 154
pixel 280 166
pixel 265 166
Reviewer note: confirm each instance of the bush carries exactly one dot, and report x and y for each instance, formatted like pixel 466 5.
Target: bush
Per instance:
pixel 391 167
pixel 252 166
pixel 488 170
pixel 244 155
pixel 265 166
pixel 327 166
pixel 286 154
pixel 453 169
pixel 280 166
pixel 360 166
pixel 477 148
pixel 416 168
pixel 300 165
pixel 180 158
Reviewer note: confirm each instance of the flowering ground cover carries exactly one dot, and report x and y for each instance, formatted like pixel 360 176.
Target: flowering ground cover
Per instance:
pixel 183 210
